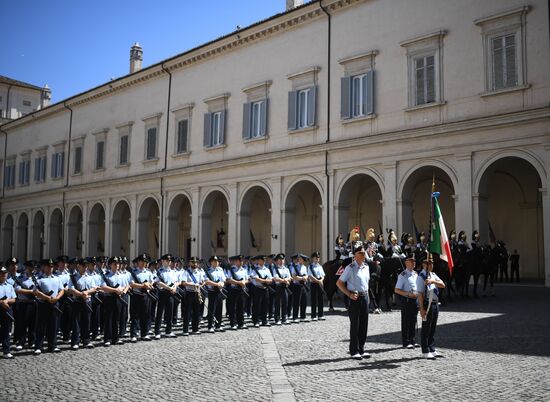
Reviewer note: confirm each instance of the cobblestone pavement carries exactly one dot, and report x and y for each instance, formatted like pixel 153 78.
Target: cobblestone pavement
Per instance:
pixel 496 348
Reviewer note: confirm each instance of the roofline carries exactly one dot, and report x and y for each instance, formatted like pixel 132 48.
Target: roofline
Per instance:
pixel 20 84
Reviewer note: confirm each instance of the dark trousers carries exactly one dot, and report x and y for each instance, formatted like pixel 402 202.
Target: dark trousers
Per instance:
pixel 26 320
pixel 153 306
pixel 290 302
pixel 123 322
pixel 359 322
pixel 409 312
pixel 503 268
pixel 271 305
pixel 175 312
pixel 215 304
pixel 317 303
pixel 66 319
pixel 81 323
pixel 140 315
pixel 47 324
pixel 514 272
pixel 259 305
pixel 192 312
pixel 5 328
pixel 249 301
pixel 95 319
pixel 281 303
pixel 299 302
pixel 235 306
pixel 428 329
pixel 112 309
pixel 164 307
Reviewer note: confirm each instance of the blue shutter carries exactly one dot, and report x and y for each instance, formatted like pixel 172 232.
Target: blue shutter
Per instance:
pixel 263 117
pixel 182 135
pixel 207 129
pixel 345 100
pixel 247 108
pixel 312 106
pixel 54 160
pixel 36 169
pixel 222 126
pixel 292 103
pixel 62 164
pixel 370 93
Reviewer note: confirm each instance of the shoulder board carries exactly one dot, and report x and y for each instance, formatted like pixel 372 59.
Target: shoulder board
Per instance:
pixel 403 273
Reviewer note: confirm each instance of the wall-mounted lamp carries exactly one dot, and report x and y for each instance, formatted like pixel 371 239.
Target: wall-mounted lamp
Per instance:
pixel 274 236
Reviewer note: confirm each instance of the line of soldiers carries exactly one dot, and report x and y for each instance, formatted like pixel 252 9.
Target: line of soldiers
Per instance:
pixel 80 299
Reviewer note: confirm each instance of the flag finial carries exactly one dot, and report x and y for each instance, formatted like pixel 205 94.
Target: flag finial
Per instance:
pixel 433 183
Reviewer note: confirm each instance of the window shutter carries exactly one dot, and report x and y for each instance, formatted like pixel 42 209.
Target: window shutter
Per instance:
pixel 370 92
pixel 511 66
pixel 222 126
pixel 292 104
pixel 345 100
pixel 77 160
pixel 61 164
pixel 54 159
pixel 312 106
pixel 419 76
pixel 182 136
pixel 430 79
pixel 43 168
pixel 263 117
pixel 151 143
pixel 36 169
pixel 207 129
pixel 498 63
pixel 247 114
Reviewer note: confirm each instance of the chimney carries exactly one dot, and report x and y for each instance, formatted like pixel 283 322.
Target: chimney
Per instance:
pixel 136 57
pixel 45 97
pixel 290 4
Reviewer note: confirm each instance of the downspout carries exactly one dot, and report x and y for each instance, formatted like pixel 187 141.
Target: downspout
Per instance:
pixel 161 245
pixel 329 21
pixel 5 156
pixel 67 170
pixel 8 102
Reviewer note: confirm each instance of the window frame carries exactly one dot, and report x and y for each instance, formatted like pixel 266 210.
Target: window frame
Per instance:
pixel 78 150
pixel 178 148
pixel 24 172
pixel 97 166
pixel 58 164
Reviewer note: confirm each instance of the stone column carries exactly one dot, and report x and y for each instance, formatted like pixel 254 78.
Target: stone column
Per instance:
pixel 232 219
pixel 107 245
pixel 464 216
pixel 85 211
pixel 195 213
pixel 390 208
pixel 276 227
pixel 546 232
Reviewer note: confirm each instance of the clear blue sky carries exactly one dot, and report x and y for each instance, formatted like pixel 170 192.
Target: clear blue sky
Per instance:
pixel 74 45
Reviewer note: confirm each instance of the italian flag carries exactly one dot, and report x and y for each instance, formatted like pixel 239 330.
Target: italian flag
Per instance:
pixel 439 243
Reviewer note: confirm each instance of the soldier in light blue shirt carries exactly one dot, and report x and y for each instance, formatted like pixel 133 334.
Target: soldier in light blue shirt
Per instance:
pixel 215 282
pixel 26 308
pixel 316 275
pixel 237 279
pixel 354 283
pixel 167 281
pixel 193 279
pixel 261 279
pixel 282 279
pixel 406 289
pixel 300 288
pixel 140 302
pixel 7 299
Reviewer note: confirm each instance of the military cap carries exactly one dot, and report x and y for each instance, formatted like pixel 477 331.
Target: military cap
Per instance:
pixel 3 270
pixel 236 257
pixel 47 261
pixel 81 262
pixel 303 256
pixel 90 260
pixel 294 256
pixel 271 256
pixel 316 254
pixel 62 258
pixel 280 256
pixel 410 256
pixel 167 257
pixel 12 260
pixel 193 259
pixel 259 257
pixel 113 260
pixel 358 247
pixel 142 257
pixel 29 264
pixel 213 258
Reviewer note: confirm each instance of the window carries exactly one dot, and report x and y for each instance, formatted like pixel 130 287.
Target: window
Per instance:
pixel 255 119
pixel 181 141
pixel 9 175
pixel 357 96
pixel 40 169
pixel 78 160
pixel 214 128
pixel 301 108
pixel 100 155
pixel 504 60
pixel 151 146
pixel 123 157
pixel 424 76
pixel 24 172
pixel 26 103
pixel 57 164
pixel 304 99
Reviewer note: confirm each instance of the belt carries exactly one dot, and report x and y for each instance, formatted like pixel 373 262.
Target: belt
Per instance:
pixel 361 293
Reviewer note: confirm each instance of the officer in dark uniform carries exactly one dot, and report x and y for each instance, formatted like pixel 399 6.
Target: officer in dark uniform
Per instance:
pixel 193 279
pixel 95 319
pixel 282 281
pixel 215 282
pixel 514 266
pixel 168 283
pixel 300 286
pixel 26 308
pixel 140 302
pixel 66 318
pixel 261 279
pixel 406 289
pixel 238 280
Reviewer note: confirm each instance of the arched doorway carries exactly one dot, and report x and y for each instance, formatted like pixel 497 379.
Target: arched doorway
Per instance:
pixel 74 232
pixel 359 204
pixel 7 237
pixel 148 228
pixel 56 234
pixel 510 200
pixel 121 229
pixel 22 236
pixel 214 225
pixel 38 234
pixel 179 227
pixel 96 231
pixel 303 220
pixel 416 199
pixel 255 222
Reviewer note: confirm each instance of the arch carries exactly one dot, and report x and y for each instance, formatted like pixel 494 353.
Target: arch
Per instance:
pixel 121 222
pixel 359 203
pixel 96 230
pixel 22 236
pixel 179 225
pixel 55 236
pixel 38 235
pixel 510 201
pixel 373 174
pixel 149 227
pixel 429 163
pixel 214 220
pixel 7 237
pixel 74 232
pixel 250 185
pixel 302 217
pixel 307 178
pixel 415 197
pixel 255 220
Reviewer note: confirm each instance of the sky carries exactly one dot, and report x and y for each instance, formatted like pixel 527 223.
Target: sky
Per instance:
pixel 76 45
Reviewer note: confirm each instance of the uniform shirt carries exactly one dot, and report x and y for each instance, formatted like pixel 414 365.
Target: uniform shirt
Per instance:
pixel 50 283
pixel 197 277
pixel 237 274
pixel 298 270
pixel 64 277
pixel 85 282
pixel 283 273
pixel 216 274
pixel 316 270
pixel 406 281
pixel 427 289
pixel 263 273
pixel 117 279
pixel 168 276
pixel 7 290
pixel 356 277
pixel 28 284
pixel 10 280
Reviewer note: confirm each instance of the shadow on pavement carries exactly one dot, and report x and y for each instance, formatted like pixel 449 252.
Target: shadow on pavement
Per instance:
pixel 378 364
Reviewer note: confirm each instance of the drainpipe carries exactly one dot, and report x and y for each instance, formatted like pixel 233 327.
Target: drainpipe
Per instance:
pixel 161 245
pixel 8 102
pixel 5 156
pixel 329 28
